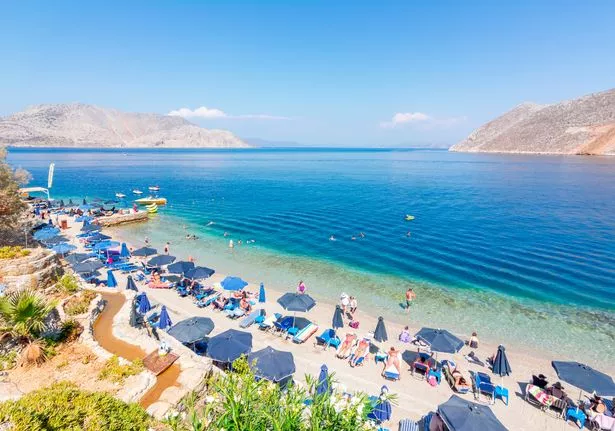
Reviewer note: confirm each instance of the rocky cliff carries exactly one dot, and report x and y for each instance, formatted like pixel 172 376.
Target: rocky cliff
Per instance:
pixel 581 126
pixel 79 125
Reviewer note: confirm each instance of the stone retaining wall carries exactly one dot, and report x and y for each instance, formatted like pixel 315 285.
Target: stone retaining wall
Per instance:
pixel 39 270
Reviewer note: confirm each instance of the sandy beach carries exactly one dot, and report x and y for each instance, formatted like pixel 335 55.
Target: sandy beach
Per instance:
pixel 415 396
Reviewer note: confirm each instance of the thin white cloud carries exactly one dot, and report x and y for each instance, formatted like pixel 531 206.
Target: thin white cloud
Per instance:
pixel 208 113
pixel 418 118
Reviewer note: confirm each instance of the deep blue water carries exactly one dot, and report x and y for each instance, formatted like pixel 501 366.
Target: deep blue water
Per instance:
pixel 534 227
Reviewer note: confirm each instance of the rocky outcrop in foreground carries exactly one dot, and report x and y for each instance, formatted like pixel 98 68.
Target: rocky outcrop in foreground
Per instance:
pixel 580 126
pixel 80 125
pixel 39 270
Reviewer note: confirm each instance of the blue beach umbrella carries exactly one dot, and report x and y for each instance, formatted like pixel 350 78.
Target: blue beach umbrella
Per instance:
pixel 46 232
pixel 87 267
pixel 130 284
pixel 161 260
pixel 338 320
pixel 85 207
pixel 199 273
pixel 143 305
pixel 90 227
pixel 585 377
pixel 271 364
pixel 124 252
pixel 261 294
pixel 63 248
pixel 191 330
pixel 229 345
pixel 233 283
pixel 501 367
pixel 440 340
pixel 164 321
pixel 97 236
pixel 111 281
pixel 323 387
pixel 76 258
pixel 180 267
pixel 56 239
pixel 145 251
pixel 463 415
pixel 104 245
pixel 382 410
pixel 380 333
pixel 296 302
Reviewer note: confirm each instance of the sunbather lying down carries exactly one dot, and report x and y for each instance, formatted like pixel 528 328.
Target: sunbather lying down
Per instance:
pixel 393 363
pixel 344 350
pixel 360 353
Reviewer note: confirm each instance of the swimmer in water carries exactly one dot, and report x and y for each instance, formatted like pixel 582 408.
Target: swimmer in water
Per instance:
pixel 210 223
pixel 353 238
pixel 331 238
pixel 361 234
pixel 408 234
pixel 225 234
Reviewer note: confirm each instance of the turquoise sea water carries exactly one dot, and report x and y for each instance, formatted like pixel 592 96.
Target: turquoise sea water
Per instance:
pixel 521 248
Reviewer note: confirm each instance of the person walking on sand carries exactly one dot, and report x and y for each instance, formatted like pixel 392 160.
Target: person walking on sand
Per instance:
pixel 146 241
pixel 301 287
pixel 410 296
pixel 167 247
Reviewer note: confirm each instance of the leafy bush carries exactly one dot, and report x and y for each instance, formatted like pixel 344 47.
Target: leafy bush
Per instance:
pixel 67 284
pixel 79 304
pixel 238 402
pixel 63 406
pixel 116 372
pixel 12 252
pixel 24 313
pixel 8 360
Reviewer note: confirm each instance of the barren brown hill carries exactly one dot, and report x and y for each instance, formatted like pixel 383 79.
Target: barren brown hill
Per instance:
pixel 581 126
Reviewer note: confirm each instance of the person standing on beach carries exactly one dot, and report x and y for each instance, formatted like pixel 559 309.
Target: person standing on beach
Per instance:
pixel 167 247
pixel 410 296
pixel 146 241
pixel 301 287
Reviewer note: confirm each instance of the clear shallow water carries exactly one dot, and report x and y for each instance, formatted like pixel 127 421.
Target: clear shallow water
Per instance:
pixel 518 247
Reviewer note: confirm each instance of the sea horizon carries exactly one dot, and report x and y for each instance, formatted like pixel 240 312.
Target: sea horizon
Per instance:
pixel 517 270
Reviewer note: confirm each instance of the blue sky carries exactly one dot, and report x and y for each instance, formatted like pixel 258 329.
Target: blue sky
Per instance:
pixel 320 73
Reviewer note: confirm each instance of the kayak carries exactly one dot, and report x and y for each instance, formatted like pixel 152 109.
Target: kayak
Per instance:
pixel 151 200
pixel 409 217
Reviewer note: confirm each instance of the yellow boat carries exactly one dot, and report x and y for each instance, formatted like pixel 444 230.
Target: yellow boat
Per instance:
pixel 152 208
pixel 409 217
pixel 151 200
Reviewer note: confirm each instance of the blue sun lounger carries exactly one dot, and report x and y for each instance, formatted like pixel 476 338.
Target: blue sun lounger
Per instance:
pixel 483 384
pixel 328 338
pixel 250 318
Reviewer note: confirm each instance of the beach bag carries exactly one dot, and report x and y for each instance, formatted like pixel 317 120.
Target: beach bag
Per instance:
pixel 354 324
pixel 432 380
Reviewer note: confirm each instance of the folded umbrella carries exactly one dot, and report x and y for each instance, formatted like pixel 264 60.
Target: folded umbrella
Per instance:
pixel 164 321
pixel 382 409
pixel 229 345
pixel 111 281
pixel 161 260
pixel 143 305
pixel 124 252
pixel 261 294
pixel 199 273
pixel 338 320
pixel 144 251
pixel 130 284
pixel 180 267
pixel 380 333
pixel 63 248
pixel 271 364
pixel 233 283
pixel 191 330
pixel 323 386
pixel 501 367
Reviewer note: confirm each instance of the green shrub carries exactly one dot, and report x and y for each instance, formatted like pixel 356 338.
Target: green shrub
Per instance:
pixel 116 372
pixel 63 406
pixel 23 312
pixel 79 304
pixel 8 360
pixel 67 284
pixel 12 252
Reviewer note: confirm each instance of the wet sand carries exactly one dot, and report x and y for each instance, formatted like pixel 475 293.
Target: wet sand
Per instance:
pixel 103 333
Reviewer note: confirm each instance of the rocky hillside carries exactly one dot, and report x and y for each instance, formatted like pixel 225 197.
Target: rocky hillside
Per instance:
pixel 79 125
pixel 580 126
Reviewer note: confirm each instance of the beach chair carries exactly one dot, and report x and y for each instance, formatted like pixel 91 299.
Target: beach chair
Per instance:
pixel 328 338
pixel 448 368
pixel 268 324
pixel 250 319
pixel 408 425
pixel 206 302
pixel 234 313
pixel 391 373
pixel 483 384
pixel 282 326
pixel 305 333
pixel 420 369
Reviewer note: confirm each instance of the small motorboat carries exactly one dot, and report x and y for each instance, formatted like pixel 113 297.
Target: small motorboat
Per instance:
pixel 137 192
pixel 151 200
pixel 154 188
pixel 409 217
pixel 120 195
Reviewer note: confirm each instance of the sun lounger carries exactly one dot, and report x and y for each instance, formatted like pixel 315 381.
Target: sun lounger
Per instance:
pixel 449 368
pixel 391 373
pixel 250 319
pixel 328 338
pixel 235 313
pixel 538 396
pixel 283 325
pixel 346 347
pixel 483 384
pixel 206 302
pixel 422 369
pixel 269 322
pixel 305 333
pixel 408 425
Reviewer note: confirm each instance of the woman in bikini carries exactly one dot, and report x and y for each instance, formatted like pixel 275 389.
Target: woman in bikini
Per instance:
pixel 393 361
pixel 359 353
pixel 344 350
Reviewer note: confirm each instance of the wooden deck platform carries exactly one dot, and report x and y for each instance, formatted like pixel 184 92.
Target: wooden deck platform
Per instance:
pixel 157 364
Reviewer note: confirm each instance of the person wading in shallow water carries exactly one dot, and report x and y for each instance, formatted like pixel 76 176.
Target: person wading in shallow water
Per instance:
pixel 410 296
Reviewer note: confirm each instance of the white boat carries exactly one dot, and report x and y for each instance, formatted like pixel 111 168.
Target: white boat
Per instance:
pixel 154 188
pixel 120 195
pixel 137 192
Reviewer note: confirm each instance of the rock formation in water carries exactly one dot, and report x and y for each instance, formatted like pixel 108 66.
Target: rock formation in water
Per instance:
pixel 80 125
pixel 581 126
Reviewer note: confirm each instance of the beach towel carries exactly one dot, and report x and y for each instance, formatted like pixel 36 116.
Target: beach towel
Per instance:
pixel 539 395
pixel 305 333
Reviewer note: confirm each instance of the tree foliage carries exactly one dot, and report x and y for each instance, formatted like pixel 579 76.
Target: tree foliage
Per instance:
pixel 11 205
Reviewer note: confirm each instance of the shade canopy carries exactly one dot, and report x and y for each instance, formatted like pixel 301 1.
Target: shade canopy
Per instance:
pixel 229 345
pixel 97 236
pixel 111 281
pixel 164 321
pixel 83 218
pixel 192 330
pixel 161 260
pixel 199 273
pixel 63 248
pixel 56 239
pixel 104 245
pixel 271 364
pixel 262 298
pixel 124 252
pixel 87 266
pixel 233 283
pixel 90 227
pixel 338 319
pixel 130 284
pixel 143 305
pixel 144 251
pixel 45 233
pixel 77 258
pixel 501 367
pixel 462 415
pixel 296 302
pixel 323 386
pixel 440 340
pixel 585 377
pixel 380 333
pixel 180 267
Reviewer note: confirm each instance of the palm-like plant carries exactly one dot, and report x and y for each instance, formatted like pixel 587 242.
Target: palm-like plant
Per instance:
pixel 23 313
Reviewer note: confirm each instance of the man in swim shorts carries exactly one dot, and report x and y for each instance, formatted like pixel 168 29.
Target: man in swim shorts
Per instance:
pixel 410 296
